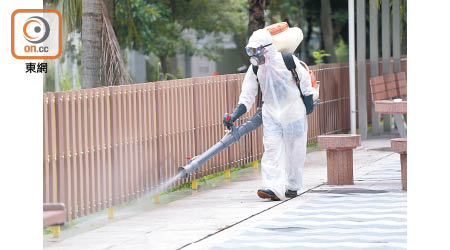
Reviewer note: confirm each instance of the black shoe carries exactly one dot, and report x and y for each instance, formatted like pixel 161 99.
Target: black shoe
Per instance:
pixel 266 194
pixel 290 193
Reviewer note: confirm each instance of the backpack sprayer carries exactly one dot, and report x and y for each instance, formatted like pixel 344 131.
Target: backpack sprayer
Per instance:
pixel 285 39
pixel 288 39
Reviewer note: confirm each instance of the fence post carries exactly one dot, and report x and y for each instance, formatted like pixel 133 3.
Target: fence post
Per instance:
pixel 159 137
pixel 114 176
pixel 60 138
pixel 396 35
pixel 386 50
pixel 54 150
pixel 374 60
pixel 109 148
pixel 46 151
pixel 196 141
pixel 361 58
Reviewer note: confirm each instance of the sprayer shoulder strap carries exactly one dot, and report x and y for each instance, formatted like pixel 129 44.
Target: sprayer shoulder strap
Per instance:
pixel 255 70
pixel 288 59
pixel 259 101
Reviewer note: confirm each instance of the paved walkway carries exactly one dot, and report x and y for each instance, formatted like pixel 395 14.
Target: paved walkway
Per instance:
pixel 369 214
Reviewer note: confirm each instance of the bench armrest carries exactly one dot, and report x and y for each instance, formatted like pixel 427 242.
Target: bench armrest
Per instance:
pixel 390 107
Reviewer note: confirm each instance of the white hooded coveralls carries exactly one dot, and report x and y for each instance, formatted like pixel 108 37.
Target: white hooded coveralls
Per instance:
pixel 284 116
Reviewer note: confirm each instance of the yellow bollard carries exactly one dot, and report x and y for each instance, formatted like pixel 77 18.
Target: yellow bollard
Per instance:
pixel 111 212
pixel 56 230
pixel 227 174
pixel 255 164
pixel 157 199
pixel 194 184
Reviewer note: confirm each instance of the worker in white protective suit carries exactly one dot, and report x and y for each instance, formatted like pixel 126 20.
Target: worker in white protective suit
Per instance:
pixel 284 116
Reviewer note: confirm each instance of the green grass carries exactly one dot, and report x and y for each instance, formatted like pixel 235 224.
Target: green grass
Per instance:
pixel 206 178
pixel 186 185
pixel 47 230
pixel 68 224
pixel 179 187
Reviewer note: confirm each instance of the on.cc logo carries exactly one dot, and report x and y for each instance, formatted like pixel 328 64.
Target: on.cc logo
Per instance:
pixel 40 29
pixel 36 34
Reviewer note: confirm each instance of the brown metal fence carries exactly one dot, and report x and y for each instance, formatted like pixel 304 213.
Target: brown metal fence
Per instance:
pixel 109 145
pixel 332 114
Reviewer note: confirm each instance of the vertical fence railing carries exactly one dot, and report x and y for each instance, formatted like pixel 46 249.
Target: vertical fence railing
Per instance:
pixel 109 145
pixel 332 114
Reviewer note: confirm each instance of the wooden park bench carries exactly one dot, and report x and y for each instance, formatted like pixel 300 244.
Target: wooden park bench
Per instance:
pixel 54 216
pixel 387 91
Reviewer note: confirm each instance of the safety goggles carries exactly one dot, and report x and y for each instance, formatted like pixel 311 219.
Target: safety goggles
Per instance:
pixel 256 51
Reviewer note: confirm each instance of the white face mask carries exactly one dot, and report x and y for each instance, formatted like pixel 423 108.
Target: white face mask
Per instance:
pixel 257 60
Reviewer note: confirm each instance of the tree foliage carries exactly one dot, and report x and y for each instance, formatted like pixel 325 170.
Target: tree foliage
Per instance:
pixel 158 26
pixel 306 15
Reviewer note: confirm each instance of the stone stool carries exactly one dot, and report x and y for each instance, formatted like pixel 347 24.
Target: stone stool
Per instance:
pixel 339 157
pixel 398 145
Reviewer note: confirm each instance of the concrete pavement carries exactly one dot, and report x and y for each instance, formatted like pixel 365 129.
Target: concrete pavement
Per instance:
pixel 368 215
pixel 229 215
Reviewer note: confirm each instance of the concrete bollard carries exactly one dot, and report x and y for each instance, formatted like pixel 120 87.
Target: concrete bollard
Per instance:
pixel 227 174
pixel 111 212
pixel 56 231
pixel 194 184
pixel 156 199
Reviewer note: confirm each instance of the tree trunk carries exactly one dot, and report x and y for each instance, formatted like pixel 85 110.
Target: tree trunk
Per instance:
pixel 301 24
pixel 163 60
pixel 91 38
pixel 241 43
pixel 327 29
pixel 308 56
pixel 255 15
pixel 285 17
